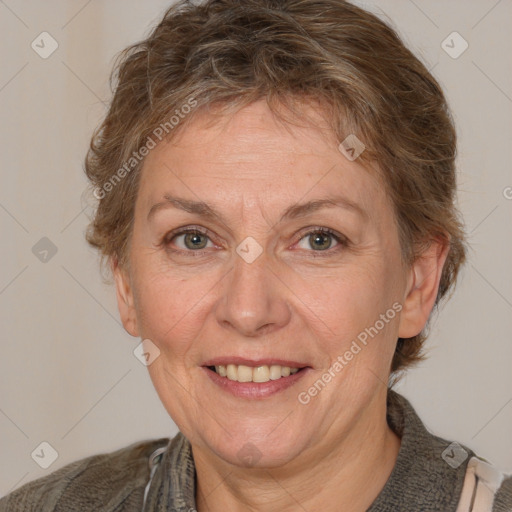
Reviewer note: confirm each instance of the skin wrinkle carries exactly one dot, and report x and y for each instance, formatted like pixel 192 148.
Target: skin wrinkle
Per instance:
pixel 194 309
pixel 364 88
pixel 343 69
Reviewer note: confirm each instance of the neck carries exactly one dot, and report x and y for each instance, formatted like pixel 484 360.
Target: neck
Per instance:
pixel 350 472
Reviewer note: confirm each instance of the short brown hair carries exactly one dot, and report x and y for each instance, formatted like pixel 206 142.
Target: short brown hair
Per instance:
pixel 234 52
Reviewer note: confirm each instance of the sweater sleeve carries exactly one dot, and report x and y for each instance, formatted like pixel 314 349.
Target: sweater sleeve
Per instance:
pixel 503 498
pixel 111 482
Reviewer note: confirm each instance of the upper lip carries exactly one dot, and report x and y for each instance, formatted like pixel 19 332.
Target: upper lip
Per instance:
pixel 225 360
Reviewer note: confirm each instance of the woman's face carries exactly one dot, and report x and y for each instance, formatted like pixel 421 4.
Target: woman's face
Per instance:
pixel 259 283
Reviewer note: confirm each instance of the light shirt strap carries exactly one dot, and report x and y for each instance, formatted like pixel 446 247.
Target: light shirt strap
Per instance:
pixel 480 486
pixel 154 460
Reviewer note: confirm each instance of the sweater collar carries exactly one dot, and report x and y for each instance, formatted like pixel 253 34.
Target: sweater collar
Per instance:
pixel 420 480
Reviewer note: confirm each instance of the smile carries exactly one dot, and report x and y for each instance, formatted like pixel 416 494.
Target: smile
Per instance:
pixel 264 373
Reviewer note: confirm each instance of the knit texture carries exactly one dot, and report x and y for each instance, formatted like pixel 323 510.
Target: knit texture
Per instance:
pixel 421 480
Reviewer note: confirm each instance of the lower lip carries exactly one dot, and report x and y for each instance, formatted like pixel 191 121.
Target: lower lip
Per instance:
pixel 255 390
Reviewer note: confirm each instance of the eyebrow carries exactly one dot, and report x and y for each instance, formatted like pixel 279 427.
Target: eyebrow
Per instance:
pixel 292 212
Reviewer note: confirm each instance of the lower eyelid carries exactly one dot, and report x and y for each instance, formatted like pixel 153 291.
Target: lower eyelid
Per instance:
pixel 182 234
pixel 340 239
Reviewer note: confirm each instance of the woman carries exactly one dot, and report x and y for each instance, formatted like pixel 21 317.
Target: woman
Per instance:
pixel 275 185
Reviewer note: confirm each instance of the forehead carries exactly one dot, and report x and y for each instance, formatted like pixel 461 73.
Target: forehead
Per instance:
pixel 253 155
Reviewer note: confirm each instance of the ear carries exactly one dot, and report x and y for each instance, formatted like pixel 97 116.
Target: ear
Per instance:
pixel 423 284
pixel 124 295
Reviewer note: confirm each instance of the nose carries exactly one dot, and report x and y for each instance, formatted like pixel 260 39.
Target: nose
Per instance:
pixel 253 301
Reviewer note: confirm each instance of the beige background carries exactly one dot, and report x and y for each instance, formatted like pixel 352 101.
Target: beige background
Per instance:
pixel 68 375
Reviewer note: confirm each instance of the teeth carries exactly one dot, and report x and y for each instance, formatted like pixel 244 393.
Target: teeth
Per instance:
pixel 242 373
pixel 275 372
pixel 232 372
pixel 259 374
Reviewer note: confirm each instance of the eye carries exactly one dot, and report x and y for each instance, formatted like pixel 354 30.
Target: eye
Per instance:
pixel 193 239
pixel 320 239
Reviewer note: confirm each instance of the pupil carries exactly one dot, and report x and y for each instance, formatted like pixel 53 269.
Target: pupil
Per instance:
pixel 319 236
pixel 194 237
pixel 323 240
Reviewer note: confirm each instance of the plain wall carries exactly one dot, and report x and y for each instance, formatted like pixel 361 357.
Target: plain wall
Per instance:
pixel 68 374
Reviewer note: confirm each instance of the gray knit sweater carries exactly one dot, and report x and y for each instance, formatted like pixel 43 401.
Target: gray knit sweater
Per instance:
pixel 421 481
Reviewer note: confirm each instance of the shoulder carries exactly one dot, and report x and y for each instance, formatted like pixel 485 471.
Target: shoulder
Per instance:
pixel 100 482
pixel 503 498
pixel 440 474
pixel 486 488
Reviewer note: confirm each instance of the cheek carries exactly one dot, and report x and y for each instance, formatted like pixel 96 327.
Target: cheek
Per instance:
pixel 167 309
pixel 334 304
pixel 348 306
pixel 356 293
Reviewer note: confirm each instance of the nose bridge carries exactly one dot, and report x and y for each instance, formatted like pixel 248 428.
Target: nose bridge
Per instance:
pixel 253 300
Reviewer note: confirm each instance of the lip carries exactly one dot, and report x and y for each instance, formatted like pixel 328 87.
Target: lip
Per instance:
pixel 255 390
pixel 253 363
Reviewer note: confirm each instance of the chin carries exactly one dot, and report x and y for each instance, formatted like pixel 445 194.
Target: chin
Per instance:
pixel 256 449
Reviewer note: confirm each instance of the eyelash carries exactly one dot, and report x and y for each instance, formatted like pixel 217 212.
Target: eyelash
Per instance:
pixel 169 237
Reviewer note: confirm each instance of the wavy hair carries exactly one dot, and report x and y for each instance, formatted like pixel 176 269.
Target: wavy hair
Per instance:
pixel 231 53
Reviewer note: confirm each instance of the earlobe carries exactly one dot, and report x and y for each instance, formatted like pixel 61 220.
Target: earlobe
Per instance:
pixel 423 285
pixel 124 294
